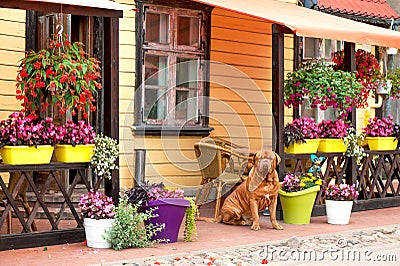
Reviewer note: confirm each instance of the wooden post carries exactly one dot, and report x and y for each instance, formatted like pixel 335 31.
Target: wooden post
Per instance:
pixel 350 65
pixel 111 94
pixel 277 92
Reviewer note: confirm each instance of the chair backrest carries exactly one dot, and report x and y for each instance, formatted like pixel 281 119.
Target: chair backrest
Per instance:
pixel 210 160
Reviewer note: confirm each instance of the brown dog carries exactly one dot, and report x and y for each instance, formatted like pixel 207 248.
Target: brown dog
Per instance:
pixel 260 190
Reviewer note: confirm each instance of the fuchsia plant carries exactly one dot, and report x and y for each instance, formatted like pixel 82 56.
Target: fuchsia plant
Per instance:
pixel 97 205
pixel 378 127
pixel 307 126
pixel 80 133
pixel 20 130
pixel 342 192
pixel 333 129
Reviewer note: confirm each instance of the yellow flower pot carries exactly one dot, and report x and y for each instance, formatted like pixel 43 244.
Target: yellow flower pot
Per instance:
pixel 17 155
pixel 332 145
pixel 311 146
pixel 69 154
pixel 382 143
pixel 297 206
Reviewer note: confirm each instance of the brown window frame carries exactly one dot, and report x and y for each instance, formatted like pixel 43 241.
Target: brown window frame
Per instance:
pixel 172 124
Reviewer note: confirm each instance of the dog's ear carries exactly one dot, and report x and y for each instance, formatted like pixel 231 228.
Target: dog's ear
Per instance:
pixel 278 158
pixel 260 172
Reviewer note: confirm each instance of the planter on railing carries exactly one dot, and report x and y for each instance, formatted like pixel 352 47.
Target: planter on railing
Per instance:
pixel 18 155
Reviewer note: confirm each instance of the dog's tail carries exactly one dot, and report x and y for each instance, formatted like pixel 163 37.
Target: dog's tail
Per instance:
pixel 212 220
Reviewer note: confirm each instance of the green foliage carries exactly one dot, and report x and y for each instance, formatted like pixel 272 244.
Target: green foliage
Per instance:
pixel 394 76
pixel 129 229
pixel 190 223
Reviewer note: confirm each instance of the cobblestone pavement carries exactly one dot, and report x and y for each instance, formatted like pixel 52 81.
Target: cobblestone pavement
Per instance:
pixel 373 246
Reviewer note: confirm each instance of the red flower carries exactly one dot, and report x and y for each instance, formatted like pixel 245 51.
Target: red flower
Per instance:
pixel 64 78
pixel 37 65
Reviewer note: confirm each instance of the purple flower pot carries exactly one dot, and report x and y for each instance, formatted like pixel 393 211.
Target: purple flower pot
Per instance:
pixel 170 212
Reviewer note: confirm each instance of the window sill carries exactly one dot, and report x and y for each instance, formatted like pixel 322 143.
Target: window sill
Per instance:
pixel 149 130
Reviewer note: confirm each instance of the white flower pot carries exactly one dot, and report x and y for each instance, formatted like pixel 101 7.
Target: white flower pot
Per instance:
pixel 95 230
pixel 338 212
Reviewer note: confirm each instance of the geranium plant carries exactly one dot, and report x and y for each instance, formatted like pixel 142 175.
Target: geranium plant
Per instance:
pixel 394 76
pixel 105 155
pixel 76 133
pixel 294 182
pixel 62 75
pixel 334 129
pixel 20 130
pixel 341 192
pixel 96 205
pixel 379 127
pixel 368 73
pixel 323 86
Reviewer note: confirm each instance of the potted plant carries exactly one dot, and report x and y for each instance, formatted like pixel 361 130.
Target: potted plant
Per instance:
pixel 339 202
pixel 105 155
pixel 331 134
pixel 76 142
pixel 26 139
pixel 130 228
pixel 379 133
pixel 170 207
pixel 297 195
pixel 98 212
pixel 323 86
pixel 62 75
pixel 301 136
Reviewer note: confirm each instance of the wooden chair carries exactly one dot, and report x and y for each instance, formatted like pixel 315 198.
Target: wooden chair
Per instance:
pixel 20 196
pixel 220 167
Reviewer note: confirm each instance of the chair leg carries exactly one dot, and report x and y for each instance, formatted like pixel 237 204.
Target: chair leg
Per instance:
pixel 218 198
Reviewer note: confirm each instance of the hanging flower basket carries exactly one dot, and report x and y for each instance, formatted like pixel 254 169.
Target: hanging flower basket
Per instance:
pixel 62 75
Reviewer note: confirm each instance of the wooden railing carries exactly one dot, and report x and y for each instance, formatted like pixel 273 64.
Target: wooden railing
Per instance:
pixel 376 178
pixel 20 177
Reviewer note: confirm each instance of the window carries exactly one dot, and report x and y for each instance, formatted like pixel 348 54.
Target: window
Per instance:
pixel 171 77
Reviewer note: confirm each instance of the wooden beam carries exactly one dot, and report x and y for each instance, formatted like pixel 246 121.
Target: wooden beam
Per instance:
pixel 278 91
pixel 111 94
pixel 350 65
pixel 67 9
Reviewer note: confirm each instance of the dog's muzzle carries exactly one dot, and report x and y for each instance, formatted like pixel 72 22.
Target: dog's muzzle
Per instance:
pixel 263 167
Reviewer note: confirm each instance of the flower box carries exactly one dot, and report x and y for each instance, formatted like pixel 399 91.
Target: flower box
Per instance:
pixel 69 154
pixel 332 145
pixel 18 155
pixel 382 143
pixel 311 146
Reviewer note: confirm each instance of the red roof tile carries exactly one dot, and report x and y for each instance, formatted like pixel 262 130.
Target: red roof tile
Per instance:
pixel 370 8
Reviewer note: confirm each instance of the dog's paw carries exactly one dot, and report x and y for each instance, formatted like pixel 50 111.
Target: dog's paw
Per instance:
pixel 255 227
pixel 277 226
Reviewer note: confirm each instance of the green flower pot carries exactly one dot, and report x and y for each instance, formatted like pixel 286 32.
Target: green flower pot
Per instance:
pixel 297 206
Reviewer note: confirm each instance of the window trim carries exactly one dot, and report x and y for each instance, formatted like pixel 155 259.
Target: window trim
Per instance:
pixel 141 127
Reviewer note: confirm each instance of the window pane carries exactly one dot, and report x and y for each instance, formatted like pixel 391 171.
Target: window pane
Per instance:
pixel 157 28
pixel 188 31
pixel 186 72
pixel 155 106
pixel 186 105
pixel 156 73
